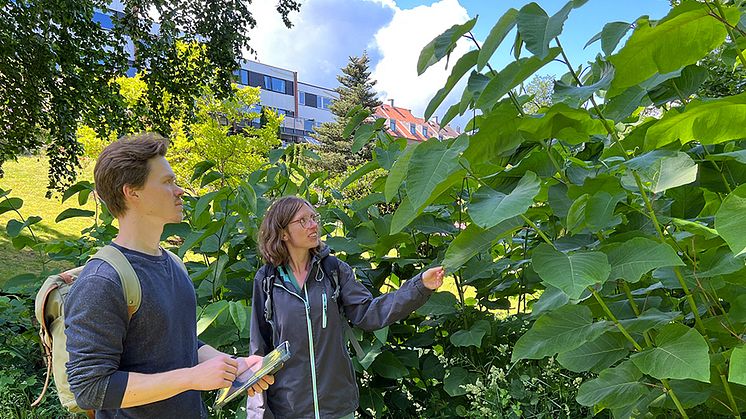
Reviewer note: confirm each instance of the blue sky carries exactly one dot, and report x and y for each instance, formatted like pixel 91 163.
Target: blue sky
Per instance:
pixel 327 32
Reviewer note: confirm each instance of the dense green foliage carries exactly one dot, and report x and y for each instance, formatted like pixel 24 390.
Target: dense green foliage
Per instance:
pixel 56 62
pixel 356 89
pixel 622 233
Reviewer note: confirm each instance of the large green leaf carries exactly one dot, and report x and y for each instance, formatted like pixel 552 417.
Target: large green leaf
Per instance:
pixel 474 240
pixel 623 105
pixel 730 220
pixel 737 369
pixel 614 388
pixel 561 330
pixel 442 45
pixel 497 135
pixel 562 122
pixel 669 44
pixel 354 121
pixel 598 353
pixel 679 88
pixel 680 352
pixel 496 37
pixel 441 303
pixel 650 319
pixel 489 207
pixel 359 173
pixel 363 135
pixel 463 65
pixel 571 273
pixel 706 121
pixel 473 336
pixel 551 298
pixel 387 365
pixel 432 162
pixel 538 29
pixel 14 227
pixel 638 256
pixel 593 212
pixel 575 96
pixel 511 76
pixel 398 172
pixel 10 204
pixel 610 35
pixel 660 170
pixel 240 315
pixel 455 381
pixel 210 313
pixel 73 213
pixel 406 213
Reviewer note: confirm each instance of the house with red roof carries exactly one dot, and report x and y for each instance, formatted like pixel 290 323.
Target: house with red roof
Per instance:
pixel 401 123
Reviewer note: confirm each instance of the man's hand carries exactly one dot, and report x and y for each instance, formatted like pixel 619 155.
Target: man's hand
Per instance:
pixel 214 373
pixel 254 362
pixel 433 277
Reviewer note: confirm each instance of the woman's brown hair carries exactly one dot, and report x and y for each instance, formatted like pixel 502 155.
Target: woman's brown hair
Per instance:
pixel 275 221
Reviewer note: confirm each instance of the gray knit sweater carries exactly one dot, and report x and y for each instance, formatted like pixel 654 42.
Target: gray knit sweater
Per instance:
pixel 105 347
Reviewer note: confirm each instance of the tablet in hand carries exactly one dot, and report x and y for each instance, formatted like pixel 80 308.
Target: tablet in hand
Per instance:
pixel 271 363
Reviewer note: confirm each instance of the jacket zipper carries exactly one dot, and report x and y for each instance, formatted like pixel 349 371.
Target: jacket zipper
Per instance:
pixel 313 355
pixel 311 349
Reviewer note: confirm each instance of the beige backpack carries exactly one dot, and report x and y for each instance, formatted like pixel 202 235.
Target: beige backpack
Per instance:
pixel 50 313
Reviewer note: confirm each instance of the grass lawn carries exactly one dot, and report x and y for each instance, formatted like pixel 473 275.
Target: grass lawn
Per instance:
pixel 27 179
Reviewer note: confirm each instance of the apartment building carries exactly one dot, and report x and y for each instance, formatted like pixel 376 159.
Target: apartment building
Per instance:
pixel 305 106
pixel 401 123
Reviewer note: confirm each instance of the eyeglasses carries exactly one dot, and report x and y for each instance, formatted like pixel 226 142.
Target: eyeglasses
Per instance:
pixel 305 222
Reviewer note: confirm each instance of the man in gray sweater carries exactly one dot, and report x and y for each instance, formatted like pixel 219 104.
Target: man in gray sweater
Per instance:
pixel 152 365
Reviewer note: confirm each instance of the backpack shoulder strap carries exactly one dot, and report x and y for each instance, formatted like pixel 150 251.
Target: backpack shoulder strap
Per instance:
pixel 330 265
pixel 130 281
pixel 270 272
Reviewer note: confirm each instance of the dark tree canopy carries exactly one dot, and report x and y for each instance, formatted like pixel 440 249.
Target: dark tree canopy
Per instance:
pixel 356 88
pixel 56 67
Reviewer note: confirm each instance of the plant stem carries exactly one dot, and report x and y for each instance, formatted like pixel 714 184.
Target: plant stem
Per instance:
pixel 615 320
pixel 633 304
pixel 728 28
pixel 675 399
pixel 538 230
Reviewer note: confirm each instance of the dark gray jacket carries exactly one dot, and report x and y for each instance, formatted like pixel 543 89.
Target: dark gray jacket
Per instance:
pixel 292 394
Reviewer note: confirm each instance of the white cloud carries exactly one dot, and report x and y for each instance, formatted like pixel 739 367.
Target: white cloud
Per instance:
pixel 399 44
pixel 324 34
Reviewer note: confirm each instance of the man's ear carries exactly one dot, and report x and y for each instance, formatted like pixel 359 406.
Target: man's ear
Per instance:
pixel 129 192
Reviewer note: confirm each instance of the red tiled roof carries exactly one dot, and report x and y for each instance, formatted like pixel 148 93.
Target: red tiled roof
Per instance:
pixel 403 119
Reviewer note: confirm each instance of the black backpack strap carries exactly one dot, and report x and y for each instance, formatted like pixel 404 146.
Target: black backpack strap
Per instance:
pixel 270 272
pixel 330 266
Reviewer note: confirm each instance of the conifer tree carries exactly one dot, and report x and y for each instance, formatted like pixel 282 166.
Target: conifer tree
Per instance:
pixel 356 88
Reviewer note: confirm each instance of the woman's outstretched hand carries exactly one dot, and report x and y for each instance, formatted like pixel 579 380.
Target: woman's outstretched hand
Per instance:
pixel 433 277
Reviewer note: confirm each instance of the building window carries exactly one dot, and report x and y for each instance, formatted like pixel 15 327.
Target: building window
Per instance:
pixel 413 129
pixel 301 98
pixel 424 131
pixel 311 100
pixel 324 102
pixel 308 125
pixel 241 77
pixel 392 124
pixel 276 85
pixel 103 19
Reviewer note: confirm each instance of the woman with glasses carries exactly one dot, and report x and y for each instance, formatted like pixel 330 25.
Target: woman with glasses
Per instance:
pixel 306 296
